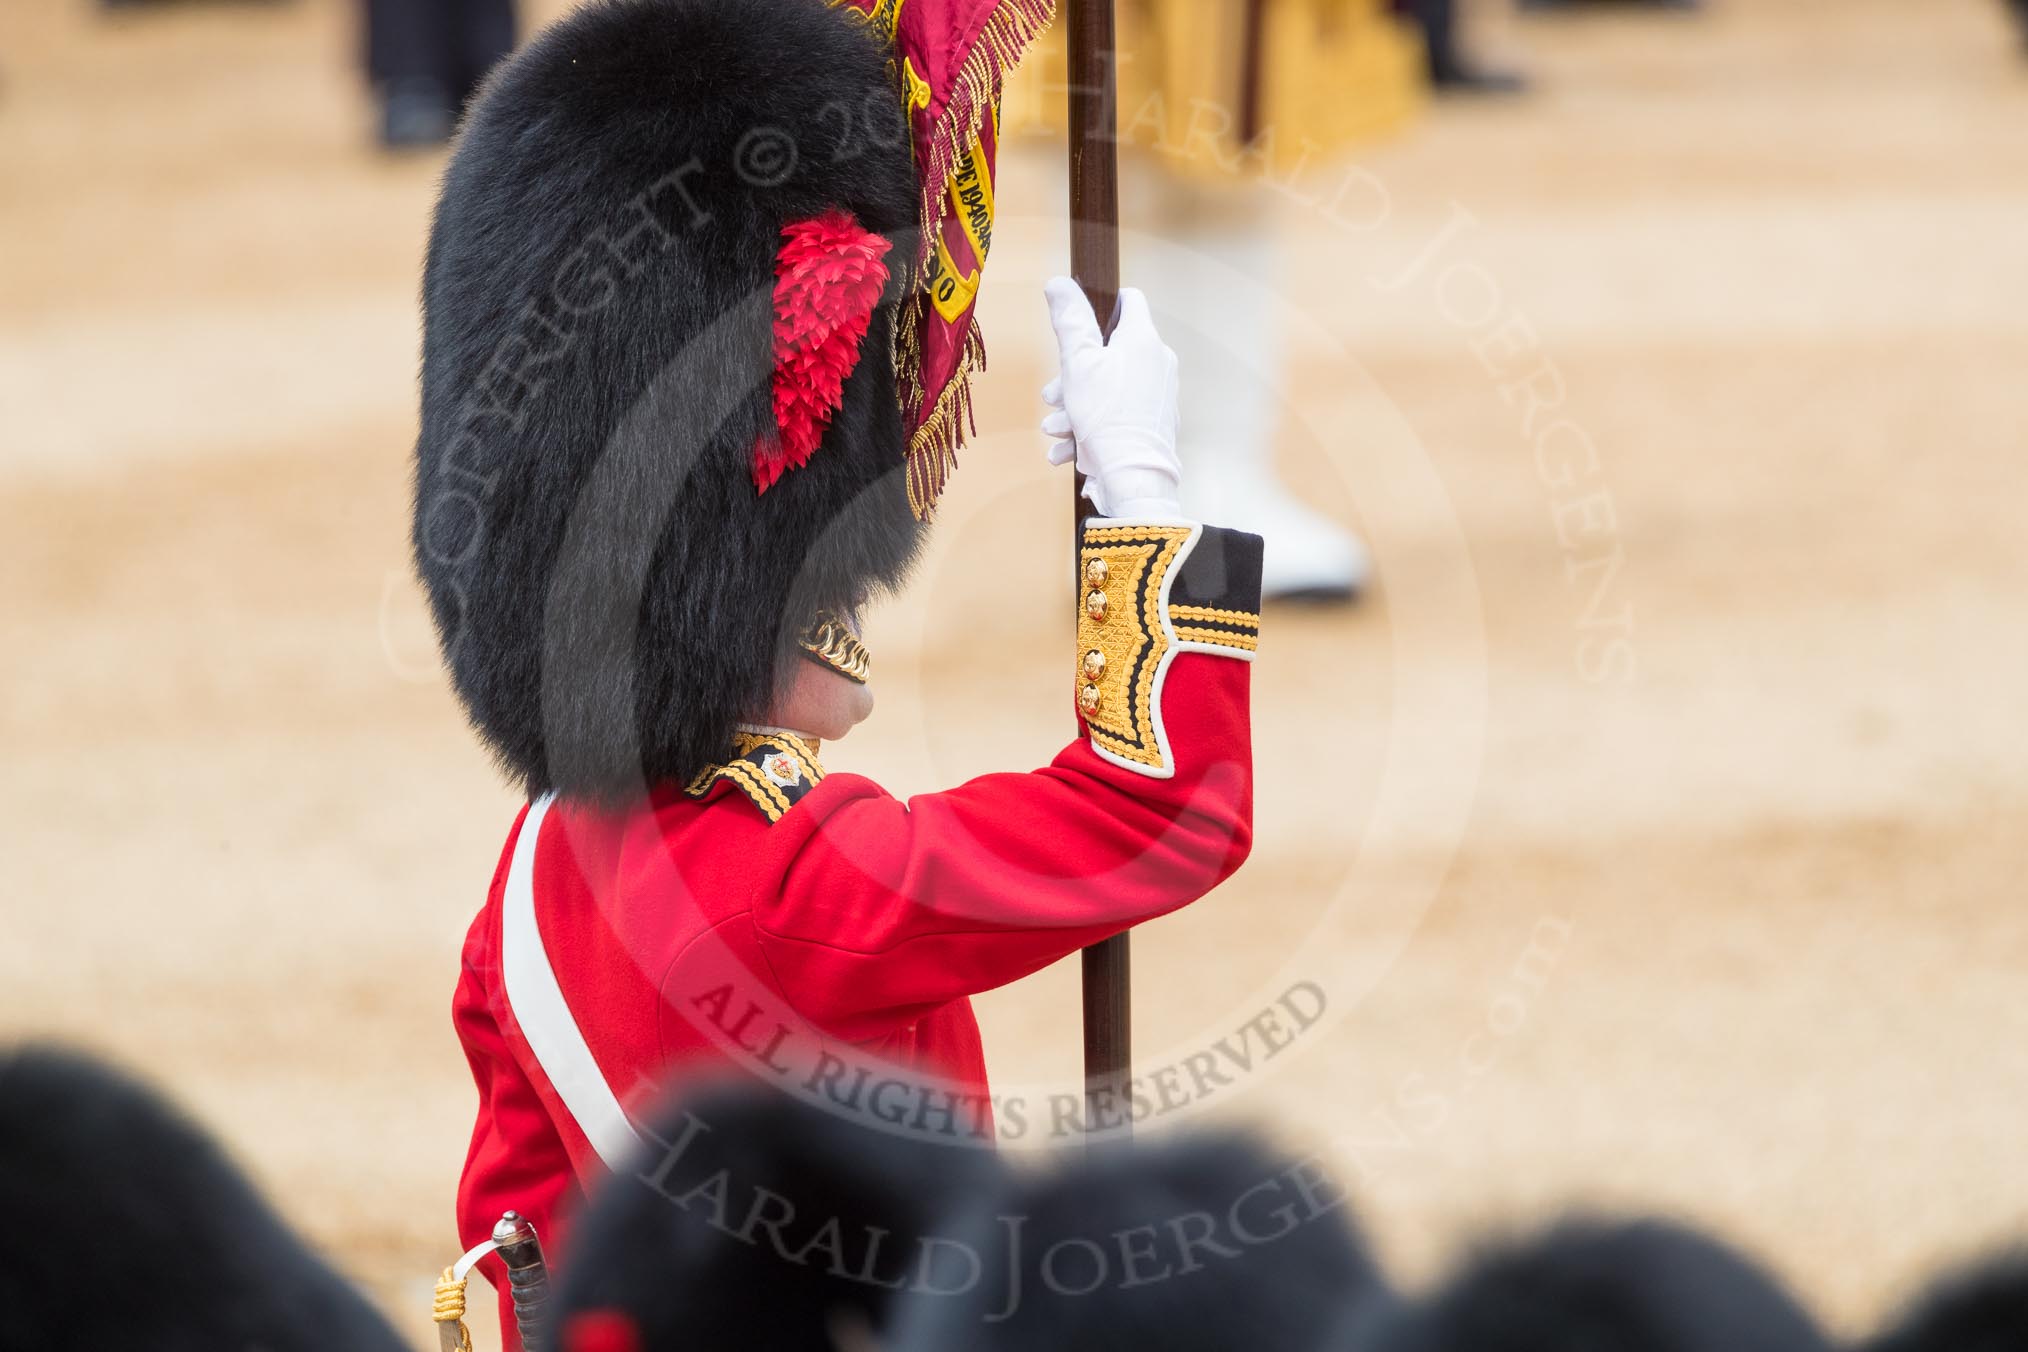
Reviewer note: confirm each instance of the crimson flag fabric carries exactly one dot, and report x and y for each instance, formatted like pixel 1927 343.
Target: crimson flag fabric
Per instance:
pixel 950 59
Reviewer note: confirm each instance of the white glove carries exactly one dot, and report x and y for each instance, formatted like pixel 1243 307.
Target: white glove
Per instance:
pixel 1114 405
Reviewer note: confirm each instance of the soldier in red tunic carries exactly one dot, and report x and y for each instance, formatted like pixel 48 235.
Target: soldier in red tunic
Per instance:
pixel 659 476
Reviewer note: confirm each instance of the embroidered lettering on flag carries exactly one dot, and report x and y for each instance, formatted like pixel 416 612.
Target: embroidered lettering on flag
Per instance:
pixel 951 57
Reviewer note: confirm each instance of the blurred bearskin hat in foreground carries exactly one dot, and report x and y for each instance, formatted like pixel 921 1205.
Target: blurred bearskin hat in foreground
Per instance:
pixel 756 1222
pixel 122 1225
pixel 1983 1308
pixel 1604 1286
pixel 660 427
pixel 1205 1243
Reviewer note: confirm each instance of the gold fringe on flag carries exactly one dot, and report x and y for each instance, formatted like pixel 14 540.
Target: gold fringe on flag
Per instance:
pixel 1003 39
pixel 944 424
pixel 908 355
pixel 933 450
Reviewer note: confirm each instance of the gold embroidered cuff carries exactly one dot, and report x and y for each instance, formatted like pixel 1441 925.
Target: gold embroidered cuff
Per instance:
pixel 1146 593
pixel 1235 629
pixel 1122 643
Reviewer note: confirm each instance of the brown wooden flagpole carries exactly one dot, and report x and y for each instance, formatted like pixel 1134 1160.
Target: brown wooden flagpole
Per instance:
pixel 1095 264
pixel 1253 73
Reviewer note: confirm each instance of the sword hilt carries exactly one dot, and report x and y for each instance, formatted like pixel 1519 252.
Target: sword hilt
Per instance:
pixel 515 1240
pixel 527 1278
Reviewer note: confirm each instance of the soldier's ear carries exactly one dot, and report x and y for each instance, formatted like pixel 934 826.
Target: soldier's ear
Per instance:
pixel 829 276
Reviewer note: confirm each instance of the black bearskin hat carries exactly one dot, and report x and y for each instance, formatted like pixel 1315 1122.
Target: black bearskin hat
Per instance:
pixel 1983 1308
pixel 1605 1286
pixel 1199 1243
pixel 127 1227
pixel 637 479
pixel 671 1252
pixel 756 1220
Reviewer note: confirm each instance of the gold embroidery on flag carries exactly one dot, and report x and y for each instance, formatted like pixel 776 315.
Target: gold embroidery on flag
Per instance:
pixel 882 14
pixel 944 416
pixel 971 197
pixel 919 91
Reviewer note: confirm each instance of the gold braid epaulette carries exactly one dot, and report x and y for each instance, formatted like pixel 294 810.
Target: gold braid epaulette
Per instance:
pixel 773 769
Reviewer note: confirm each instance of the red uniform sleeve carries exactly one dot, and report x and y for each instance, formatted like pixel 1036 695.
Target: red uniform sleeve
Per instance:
pixel 889 910
pixel 517 1161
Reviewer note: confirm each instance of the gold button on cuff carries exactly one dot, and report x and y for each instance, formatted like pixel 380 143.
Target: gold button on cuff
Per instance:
pixel 1088 699
pixel 1094 665
pixel 1095 572
pixel 1095 604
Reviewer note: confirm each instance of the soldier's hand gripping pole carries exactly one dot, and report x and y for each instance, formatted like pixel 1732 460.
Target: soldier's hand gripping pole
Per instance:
pixel 1095 263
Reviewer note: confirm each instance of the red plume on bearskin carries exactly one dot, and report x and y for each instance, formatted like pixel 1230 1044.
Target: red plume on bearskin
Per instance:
pixel 829 276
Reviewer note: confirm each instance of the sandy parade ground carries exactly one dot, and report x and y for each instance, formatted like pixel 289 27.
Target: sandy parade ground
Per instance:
pixel 1653 836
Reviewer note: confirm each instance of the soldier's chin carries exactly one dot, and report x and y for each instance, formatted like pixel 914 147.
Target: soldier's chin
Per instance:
pixel 856 704
pixel 822 703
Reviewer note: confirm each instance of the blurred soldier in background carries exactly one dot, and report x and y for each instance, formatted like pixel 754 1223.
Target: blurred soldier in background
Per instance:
pixel 426 57
pixel 1217 97
pixel 1450 70
pixel 115 6
pixel 1624 4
